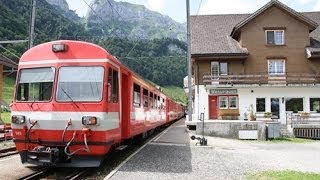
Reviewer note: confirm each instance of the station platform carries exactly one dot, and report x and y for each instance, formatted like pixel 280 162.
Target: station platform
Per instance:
pixel 173 155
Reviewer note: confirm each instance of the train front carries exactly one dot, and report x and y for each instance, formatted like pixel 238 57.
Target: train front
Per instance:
pixel 59 117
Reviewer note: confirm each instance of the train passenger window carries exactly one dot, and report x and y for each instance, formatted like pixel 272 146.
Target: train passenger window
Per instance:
pixel 151 100
pixel 35 84
pixel 159 106
pixel 113 86
pixel 136 95
pixel 145 98
pixel 163 104
pixel 155 101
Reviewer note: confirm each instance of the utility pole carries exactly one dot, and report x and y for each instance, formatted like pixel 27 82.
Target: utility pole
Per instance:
pixel 189 64
pixel 33 17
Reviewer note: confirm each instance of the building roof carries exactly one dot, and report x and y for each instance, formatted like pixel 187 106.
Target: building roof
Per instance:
pixel 211 34
pixel 7 62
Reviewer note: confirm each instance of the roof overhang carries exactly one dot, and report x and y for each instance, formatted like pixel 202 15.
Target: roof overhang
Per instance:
pixel 313 53
pixel 221 55
pixel 7 62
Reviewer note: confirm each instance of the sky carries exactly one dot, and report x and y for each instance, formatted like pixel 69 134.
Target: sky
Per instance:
pixel 176 9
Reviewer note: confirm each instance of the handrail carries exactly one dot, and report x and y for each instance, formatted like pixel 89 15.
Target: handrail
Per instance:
pixel 263 78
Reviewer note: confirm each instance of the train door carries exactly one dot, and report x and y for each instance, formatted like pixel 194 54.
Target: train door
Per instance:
pixel 125 114
pixel 113 98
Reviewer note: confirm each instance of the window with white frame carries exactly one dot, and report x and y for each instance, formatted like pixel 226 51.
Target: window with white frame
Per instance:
pixel 275 37
pixel 223 68
pixel 261 104
pixel 219 68
pixel 276 66
pixel 315 104
pixel 233 102
pixel 223 102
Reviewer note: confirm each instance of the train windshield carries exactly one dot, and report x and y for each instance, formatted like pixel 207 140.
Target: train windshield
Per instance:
pixel 35 84
pixel 80 83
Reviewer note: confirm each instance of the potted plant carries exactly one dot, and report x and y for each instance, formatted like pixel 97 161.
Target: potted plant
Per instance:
pixel 245 115
pixel 304 114
pixel 267 114
pixel 251 113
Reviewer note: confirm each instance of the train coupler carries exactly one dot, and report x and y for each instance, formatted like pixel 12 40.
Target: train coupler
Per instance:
pixel 41 155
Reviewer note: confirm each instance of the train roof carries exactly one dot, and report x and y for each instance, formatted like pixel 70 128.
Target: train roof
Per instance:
pixel 75 50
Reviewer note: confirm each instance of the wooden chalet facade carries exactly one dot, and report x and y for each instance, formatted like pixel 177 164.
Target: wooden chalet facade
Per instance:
pixel 265 64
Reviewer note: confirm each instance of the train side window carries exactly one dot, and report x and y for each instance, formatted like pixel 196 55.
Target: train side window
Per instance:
pixel 136 95
pixel 151 100
pixel 155 105
pixel 158 102
pixel 113 86
pixel 163 104
pixel 145 98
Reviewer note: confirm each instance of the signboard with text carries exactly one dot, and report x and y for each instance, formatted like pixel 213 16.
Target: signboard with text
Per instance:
pixel 223 91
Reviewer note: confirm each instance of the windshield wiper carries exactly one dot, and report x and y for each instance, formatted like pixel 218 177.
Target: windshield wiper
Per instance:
pixel 69 96
pixel 40 94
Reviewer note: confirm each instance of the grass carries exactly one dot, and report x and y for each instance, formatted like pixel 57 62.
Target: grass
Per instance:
pixel 5 116
pixel 283 175
pixel 8 89
pixel 176 93
pixel 290 140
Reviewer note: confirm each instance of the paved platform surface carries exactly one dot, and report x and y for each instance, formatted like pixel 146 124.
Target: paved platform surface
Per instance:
pixel 174 156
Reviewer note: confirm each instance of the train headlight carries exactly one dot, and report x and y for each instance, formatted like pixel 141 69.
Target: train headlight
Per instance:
pixel 59 48
pixel 17 119
pixel 89 120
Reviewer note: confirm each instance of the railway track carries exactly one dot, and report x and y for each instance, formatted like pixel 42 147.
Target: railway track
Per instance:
pixel 8 152
pixel 36 175
pixel 57 173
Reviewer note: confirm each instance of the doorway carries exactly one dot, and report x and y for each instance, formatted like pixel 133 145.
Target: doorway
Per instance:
pixel 213 107
pixel 275 108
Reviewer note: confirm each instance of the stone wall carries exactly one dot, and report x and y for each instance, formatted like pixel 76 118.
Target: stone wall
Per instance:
pixel 230 129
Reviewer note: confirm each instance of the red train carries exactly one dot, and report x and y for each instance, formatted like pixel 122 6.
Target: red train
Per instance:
pixel 74 102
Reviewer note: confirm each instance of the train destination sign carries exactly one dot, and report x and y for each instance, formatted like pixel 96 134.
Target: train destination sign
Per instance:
pixel 223 91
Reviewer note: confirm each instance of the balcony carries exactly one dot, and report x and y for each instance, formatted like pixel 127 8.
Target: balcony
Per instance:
pixel 263 79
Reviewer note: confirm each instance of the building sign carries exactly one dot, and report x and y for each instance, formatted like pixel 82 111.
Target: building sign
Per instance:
pixel 223 91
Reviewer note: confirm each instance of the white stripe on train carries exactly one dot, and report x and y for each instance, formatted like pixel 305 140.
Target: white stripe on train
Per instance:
pixel 59 120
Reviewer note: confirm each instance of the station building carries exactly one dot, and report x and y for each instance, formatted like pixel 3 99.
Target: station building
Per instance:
pixel 260 66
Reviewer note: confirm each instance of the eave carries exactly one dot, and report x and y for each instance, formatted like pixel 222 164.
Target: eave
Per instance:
pixel 221 55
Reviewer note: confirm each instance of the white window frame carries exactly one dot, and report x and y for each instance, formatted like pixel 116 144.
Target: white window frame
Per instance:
pixel 277 60
pixel 265 104
pixel 230 102
pixel 220 71
pixel 274 36
pixel 227 102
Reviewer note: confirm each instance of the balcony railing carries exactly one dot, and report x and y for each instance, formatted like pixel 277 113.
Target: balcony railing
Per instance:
pixel 262 78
